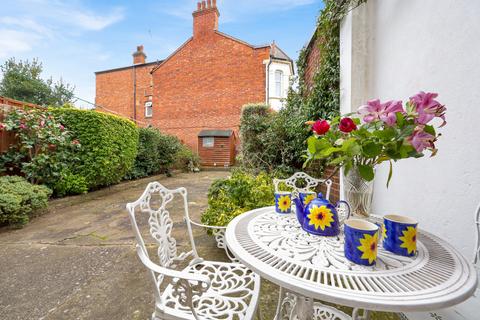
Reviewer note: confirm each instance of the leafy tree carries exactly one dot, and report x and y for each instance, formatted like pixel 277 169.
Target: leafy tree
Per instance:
pixel 21 80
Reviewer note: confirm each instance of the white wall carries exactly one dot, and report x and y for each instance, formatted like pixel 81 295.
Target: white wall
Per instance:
pixel 275 101
pixel 426 45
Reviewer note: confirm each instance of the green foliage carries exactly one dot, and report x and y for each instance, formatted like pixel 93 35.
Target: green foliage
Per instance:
pixel 156 153
pixel 186 159
pixel 276 141
pixel 70 184
pixel 19 200
pixel 43 149
pixel 22 81
pixel 243 191
pixel 109 145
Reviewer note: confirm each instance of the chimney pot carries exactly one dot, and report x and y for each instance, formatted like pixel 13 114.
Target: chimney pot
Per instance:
pixel 214 3
pixel 199 6
pixel 209 3
pixel 139 56
pixel 204 4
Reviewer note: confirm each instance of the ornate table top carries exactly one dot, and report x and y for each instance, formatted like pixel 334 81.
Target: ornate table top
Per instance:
pixel 277 248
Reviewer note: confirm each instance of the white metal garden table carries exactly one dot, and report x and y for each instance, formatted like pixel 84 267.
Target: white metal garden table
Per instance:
pixel 313 267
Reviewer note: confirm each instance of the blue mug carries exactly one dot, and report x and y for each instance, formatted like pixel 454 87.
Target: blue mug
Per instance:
pixel 283 202
pixel 400 235
pixel 361 241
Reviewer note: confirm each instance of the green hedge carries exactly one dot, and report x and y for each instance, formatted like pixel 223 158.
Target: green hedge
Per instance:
pixel 20 199
pixel 186 160
pixel 243 191
pixel 109 145
pixel 156 153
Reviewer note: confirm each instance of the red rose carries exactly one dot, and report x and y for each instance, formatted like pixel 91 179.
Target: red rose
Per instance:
pixel 320 127
pixel 347 125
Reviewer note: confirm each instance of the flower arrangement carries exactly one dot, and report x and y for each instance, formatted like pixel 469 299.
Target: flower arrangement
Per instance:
pixel 376 133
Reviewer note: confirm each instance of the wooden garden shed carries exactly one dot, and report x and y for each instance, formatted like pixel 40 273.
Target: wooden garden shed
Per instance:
pixel 216 148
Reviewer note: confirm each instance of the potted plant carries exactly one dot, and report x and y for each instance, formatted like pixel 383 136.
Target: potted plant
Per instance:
pixel 378 132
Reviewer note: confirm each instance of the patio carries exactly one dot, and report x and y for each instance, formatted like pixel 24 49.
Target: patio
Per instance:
pixel 78 260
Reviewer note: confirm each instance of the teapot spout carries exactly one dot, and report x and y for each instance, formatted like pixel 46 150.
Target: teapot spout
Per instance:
pixel 299 209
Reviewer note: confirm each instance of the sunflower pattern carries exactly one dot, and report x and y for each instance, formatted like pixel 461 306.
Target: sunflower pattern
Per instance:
pixel 409 239
pixel 384 232
pixel 320 217
pixel 308 198
pixel 368 247
pixel 284 203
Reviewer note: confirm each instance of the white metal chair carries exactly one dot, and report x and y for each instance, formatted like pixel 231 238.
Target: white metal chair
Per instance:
pixel 204 290
pixel 469 309
pixel 310 183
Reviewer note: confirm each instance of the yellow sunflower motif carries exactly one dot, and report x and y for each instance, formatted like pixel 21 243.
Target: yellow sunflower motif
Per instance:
pixel 321 217
pixel 284 203
pixel 409 239
pixel 384 232
pixel 369 247
pixel 308 198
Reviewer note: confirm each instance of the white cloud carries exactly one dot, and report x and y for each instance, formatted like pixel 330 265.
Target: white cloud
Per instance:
pixel 232 10
pixel 34 22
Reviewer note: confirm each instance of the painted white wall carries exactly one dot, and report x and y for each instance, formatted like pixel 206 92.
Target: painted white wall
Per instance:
pixel 425 45
pixel 278 101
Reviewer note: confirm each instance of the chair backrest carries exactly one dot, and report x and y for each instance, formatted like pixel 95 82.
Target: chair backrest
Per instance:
pixel 476 257
pixel 160 226
pixel 309 183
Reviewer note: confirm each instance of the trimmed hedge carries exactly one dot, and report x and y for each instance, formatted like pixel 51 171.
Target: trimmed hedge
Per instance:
pixel 109 145
pixel 156 153
pixel 19 200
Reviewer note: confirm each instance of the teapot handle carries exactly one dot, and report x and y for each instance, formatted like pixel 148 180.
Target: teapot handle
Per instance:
pixel 343 217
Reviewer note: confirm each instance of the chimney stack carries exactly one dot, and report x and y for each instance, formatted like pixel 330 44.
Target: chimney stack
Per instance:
pixel 205 18
pixel 139 56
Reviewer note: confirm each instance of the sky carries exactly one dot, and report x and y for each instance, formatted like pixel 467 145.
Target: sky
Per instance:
pixel 75 38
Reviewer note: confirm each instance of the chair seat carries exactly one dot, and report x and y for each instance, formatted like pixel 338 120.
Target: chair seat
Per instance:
pixel 233 294
pixel 467 310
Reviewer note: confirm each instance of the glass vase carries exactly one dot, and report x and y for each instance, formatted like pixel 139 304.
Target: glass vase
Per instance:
pixel 358 193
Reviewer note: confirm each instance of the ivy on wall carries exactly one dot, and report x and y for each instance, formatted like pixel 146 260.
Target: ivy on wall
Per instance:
pixel 322 99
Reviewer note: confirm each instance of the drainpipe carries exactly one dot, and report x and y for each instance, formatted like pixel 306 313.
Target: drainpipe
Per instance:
pixel 267 80
pixel 134 69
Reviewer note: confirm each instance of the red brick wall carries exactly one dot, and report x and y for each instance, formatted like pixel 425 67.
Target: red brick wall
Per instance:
pixel 313 61
pixel 115 90
pixel 205 84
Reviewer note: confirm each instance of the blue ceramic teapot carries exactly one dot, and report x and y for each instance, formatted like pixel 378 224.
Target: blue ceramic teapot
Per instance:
pixel 319 216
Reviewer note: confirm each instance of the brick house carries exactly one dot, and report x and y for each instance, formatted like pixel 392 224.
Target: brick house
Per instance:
pixel 201 86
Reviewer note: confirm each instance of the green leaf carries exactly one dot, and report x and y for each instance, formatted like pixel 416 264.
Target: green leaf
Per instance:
pixel 400 119
pixel 366 172
pixel 390 172
pixel 385 134
pixel 429 129
pixel 311 145
pixel 371 149
pixel 337 161
pixel 327 152
pixel 356 121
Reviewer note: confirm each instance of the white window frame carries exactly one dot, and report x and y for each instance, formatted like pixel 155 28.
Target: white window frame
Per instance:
pixel 148 109
pixel 279 83
pixel 208 142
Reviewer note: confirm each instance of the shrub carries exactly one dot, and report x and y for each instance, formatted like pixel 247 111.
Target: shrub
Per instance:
pixel 243 191
pixel 70 184
pixel 156 153
pixel 186 159
pixel 19 199
pixel 43 149
pixel 109 144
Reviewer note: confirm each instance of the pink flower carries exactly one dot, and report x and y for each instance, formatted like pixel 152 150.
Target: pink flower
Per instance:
pixel 321 127
pixel 428 108
pixel 42 123
pixel 22 126
pixel 75 142
pixel 2 126
pixel 421 140
pixel 375 110
pixel 388 116
pixel 61 127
